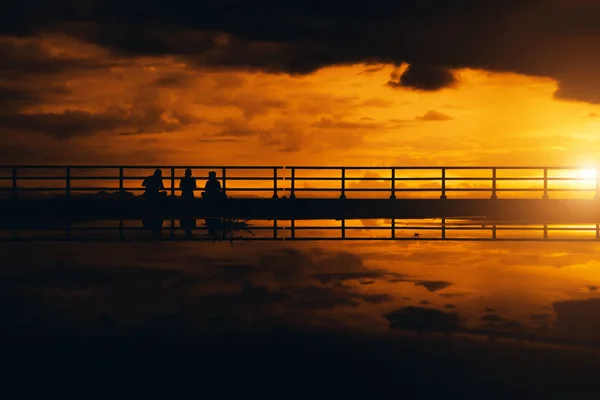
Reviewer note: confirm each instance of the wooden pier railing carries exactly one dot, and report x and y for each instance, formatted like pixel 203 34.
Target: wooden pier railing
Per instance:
pixel 318 181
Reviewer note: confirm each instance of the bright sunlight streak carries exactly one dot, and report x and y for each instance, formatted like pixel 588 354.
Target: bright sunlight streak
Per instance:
pixel 587 173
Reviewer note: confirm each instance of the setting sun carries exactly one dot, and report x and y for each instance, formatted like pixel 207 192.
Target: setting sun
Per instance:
pixel 588 173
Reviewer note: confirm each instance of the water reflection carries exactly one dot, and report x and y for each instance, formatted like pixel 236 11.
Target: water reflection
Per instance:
pixel 231 229
pixel 525 291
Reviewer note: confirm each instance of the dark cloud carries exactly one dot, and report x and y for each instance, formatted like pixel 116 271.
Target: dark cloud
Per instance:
pixel 454 295
pixel 423 77
pixel 343 276
pixel 433 115
pixel 62 125
pixel 173 79
pixel 28 57
pixel 235 129
pixel 14 98
pixel 33 74
pixel 330 123
pixel 554 38
pixel 72 123
pixel 433 286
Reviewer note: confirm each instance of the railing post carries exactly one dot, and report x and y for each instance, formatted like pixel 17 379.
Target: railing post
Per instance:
pixel 14 195
pixel 293 184
pixel 224 176
pixel 343 228
pixel 121 196
pixel 172 181
pixel 293 228
pixel 393 195
pixel 443 196
pixel 494 195
pixel 275 195
pixel 597 231
pixel 121 230
pixel 15 188
pixel 275 228
pixel 545 232
pixel 393 228
pixel 343 195
pixel 443 228
pixel 68 182
pixel 121 175
pixel 172 195
pixel 494 232
pixel 68 194
pixel 545 196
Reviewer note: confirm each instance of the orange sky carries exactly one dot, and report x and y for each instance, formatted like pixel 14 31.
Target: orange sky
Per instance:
pixel 173 113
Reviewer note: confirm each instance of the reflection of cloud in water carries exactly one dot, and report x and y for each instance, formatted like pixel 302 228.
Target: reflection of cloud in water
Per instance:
pixel 496 322
pixel 297 284
pixel 282 286
pixel 541 317
pixel 578 317
pixel 424 319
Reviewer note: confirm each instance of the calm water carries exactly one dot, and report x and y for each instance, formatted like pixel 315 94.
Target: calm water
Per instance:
pixel 538 291
pixel 371 229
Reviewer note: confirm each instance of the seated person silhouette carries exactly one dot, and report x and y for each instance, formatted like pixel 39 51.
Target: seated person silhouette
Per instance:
pixel 154 185
pixel 187 186
pixel 212 188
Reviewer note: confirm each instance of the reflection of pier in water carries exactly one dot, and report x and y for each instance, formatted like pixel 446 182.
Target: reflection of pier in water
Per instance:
pixel 396 203
pixel 309 230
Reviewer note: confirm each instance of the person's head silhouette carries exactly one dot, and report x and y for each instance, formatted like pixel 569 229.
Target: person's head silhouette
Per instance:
pixel 188 172
pixel 212 175
pixel 158 172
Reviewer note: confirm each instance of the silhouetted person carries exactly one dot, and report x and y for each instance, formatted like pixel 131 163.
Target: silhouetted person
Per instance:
pixel 187 186
pixel 212 188
pixel 154 185
pixel 213 192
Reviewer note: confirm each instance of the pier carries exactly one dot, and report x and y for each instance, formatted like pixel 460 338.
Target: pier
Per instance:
pixel 69 197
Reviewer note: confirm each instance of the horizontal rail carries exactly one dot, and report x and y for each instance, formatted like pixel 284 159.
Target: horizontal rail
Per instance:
pixel 298 167
pixel 284 179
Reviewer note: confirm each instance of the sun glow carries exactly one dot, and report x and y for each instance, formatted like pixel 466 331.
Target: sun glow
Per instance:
pixel 587 173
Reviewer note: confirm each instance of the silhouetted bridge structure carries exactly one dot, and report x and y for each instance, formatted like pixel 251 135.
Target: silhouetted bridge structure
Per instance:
pixel 491 198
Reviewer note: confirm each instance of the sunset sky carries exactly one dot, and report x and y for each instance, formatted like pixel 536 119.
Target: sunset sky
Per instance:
pixel 300 83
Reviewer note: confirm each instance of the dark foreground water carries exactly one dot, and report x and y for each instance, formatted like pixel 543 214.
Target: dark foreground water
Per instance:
pixel 417 319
